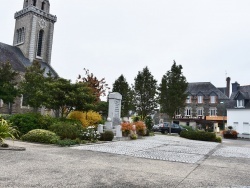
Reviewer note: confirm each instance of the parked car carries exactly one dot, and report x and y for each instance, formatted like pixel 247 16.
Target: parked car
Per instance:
pixel 175 128
pixel 155 128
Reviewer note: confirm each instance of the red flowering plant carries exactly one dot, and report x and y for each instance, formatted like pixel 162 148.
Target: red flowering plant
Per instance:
pixel 230 133
pixel 126 127
pixel 140 128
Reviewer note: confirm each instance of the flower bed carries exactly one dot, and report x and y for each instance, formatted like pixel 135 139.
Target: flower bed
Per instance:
pixel 231 134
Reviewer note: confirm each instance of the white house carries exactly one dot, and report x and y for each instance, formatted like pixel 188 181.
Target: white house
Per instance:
pixel 238 111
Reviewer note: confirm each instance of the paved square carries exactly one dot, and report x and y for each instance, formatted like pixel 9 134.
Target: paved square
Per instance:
pixel 159 147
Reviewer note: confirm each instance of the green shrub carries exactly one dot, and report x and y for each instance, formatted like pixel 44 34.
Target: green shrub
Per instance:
pixel 133 136
pixel 68 142
pixel 29 121
pixel 67 129
pixel 41 136
pixel 218 139
pixel 198 135
pixel 189 128
pixel 149 123
pixel 107 136
pixel 6 130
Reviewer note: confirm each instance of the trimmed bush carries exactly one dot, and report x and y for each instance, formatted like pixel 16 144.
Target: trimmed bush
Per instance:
pixel 198 135
pixel 67 129
pixel 189 128
pixel 133 136
pixel 40 136
pixel 68 142
pixel 29 121
pixel 107 136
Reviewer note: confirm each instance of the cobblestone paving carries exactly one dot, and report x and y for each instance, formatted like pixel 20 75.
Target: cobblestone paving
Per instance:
pixel 231 151
pixel 159 147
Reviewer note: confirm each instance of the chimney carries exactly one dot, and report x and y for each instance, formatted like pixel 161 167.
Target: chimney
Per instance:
pixel 235 86
pixel 228 87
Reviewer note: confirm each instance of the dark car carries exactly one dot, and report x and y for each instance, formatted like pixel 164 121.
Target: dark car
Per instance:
pixel 155 128
pixel 175 128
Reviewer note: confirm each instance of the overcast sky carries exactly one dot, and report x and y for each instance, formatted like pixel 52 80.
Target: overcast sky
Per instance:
pixel 209 38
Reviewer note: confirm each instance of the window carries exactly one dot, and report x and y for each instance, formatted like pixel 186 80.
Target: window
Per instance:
pixel 43 5
pixel 188 100
pixel 213 111
pixel 1 103
pixel 20 35
pixel 240 103
pixel 34 2
pixel 23 102
pixel 199 111
pixel 177 113
pixel 200 99
pixel 40 43
pixel 212 99
pixel 188 112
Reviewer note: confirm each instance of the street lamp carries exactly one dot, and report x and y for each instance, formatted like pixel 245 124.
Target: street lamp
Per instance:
pixel 222 102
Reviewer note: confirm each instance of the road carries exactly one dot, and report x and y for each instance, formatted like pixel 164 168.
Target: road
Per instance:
pixel 159 161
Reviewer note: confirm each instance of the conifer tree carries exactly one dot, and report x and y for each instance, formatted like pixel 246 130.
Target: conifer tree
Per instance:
pixel 172 91
pixel 145 91
pixel 121 86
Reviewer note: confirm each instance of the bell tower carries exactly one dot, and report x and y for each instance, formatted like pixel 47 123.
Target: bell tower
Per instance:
pixel 34 30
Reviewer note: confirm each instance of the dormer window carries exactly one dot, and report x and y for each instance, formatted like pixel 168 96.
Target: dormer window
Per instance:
pixel 188 100
pixel 212 99
pixel 200 99
pixel 240 103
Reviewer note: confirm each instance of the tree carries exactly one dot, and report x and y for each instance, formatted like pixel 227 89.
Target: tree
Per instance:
pixel 63 96
pixel 8 85
pixel 33 86
pixel 97 86
pixel 145 93
pixel 172 91
pixel 121 86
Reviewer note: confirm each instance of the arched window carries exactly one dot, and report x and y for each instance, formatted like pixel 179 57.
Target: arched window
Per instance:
pixel 43 5
pixel 40 43
pixel 34 2
pixel 20 35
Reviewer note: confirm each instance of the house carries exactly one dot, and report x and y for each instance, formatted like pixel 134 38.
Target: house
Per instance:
pixel 238 110
pixel 33 38
pixel 205 105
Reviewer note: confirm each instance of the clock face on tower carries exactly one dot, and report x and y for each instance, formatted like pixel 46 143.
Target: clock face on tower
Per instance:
pixel 42 23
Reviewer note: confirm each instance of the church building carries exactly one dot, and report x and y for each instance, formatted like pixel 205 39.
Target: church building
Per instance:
pixel 33 38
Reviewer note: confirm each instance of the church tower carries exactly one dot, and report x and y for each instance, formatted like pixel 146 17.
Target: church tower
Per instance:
pixel 34 30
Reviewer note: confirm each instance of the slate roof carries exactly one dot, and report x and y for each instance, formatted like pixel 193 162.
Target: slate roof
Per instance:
pixel 205 88
pixel 13 55
pixel 18 61
pixel 243 91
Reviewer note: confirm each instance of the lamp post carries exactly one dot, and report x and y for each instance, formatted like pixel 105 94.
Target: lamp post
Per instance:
pixel 222 102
